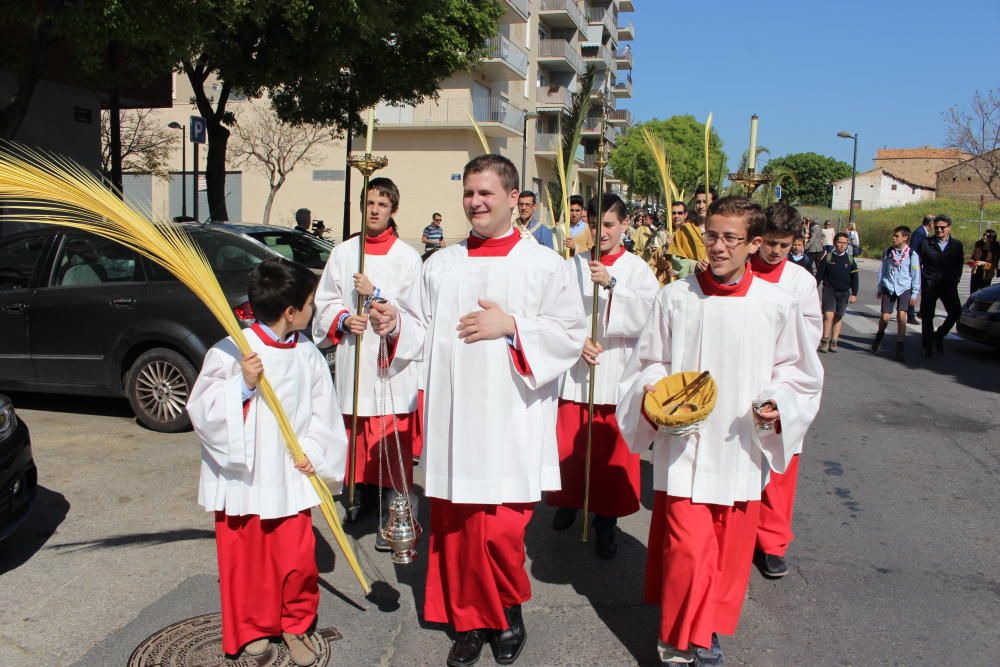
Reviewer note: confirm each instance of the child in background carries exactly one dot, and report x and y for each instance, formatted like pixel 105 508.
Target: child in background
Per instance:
pixel 838 273
pixel 898 285
pixel 261 498
pixel 799 256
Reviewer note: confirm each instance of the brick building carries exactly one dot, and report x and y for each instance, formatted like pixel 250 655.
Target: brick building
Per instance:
pixel 918 166
pixel 961 181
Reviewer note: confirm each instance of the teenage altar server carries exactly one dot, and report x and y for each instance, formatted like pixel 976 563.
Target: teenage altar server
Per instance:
pixel 784 226
pixel 392 272
pixel 261 498
pixel 626 288
pixel 749 334
pixel 504 324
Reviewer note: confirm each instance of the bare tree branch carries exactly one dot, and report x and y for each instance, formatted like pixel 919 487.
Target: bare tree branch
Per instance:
pixel 263 142
pixel 977 132
pixel 146 145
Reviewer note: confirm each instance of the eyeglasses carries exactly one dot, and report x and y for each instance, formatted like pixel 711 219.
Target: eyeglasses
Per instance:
pixel 729 240
pixel 940 227
pixel 679 212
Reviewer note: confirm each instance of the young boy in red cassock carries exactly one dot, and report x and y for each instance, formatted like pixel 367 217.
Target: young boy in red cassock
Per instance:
pixel 751 337
pixel 261 498
pixel 504 322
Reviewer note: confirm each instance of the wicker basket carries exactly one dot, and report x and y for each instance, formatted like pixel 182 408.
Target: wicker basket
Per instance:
pixel 691 418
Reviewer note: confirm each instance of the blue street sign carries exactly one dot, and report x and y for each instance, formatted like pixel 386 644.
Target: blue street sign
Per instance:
pixel 199 130
pixel 777 192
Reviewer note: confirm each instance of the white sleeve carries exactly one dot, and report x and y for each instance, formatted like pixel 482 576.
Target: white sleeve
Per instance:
pixel 648 363
pixel 331 301
pixel 812 311
pixel 551 341
pixel 408 342
pixel 216 409
pixel 630 303
pixel 796 388
pixel 325 441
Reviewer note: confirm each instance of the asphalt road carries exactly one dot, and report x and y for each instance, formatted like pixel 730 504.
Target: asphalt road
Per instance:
pixel 895 561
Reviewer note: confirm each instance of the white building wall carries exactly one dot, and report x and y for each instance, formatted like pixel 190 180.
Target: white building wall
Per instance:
pixel 877 189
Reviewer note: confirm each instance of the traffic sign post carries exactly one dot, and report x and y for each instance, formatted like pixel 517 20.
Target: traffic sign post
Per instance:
pixel 777 192
pixel 198 136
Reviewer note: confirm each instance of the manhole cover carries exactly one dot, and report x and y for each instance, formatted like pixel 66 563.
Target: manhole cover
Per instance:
pixel 197 642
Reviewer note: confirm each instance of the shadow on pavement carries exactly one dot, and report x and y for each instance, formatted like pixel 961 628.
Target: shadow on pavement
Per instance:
pixel 104 406
pixel 613 588
pixel 49 512
pixel 147 539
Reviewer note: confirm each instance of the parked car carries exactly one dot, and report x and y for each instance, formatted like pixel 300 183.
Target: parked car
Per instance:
pixel 980 319
pixel 80 314
pixel 18 475
pixel 293 244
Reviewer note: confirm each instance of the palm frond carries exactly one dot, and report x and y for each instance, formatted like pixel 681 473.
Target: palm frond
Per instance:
pixel 479 131
pixel 41 188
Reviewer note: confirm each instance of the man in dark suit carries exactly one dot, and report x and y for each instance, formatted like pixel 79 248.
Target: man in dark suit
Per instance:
pixel 941 262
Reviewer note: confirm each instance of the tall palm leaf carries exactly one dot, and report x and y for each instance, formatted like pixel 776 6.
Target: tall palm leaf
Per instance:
pixel 572 135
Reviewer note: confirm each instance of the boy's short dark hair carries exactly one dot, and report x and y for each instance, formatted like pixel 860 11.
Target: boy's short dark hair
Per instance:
pixel 277 283
pixel 678 203
pixel 499 165
pixel 943 218
pixel 385 187
pixel 576 199
pixel 783 220
pixel 740 207
pixel 700 190
pixel 525 194
pixel 609 202
pixel 902 229
pixel 841 235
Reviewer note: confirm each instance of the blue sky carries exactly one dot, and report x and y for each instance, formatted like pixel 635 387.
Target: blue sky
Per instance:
pixel 886 69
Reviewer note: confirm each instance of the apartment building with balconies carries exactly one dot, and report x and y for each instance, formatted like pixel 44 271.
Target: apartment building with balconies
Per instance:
pixel 517 95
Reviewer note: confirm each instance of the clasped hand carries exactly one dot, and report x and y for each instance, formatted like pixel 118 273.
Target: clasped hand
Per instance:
pixel 489 323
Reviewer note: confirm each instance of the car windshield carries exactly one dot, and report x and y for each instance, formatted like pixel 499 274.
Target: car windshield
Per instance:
pixel 301 248
pixel 225 252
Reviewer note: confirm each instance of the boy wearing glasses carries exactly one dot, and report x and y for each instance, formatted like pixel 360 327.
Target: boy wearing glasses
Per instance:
pixel 771 263
pixel 838 273
pixel 898 286
pixel 750 335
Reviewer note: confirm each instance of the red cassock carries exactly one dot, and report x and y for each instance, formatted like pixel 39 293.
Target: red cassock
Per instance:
pixel 698 567
pixel 475 564
pixel 367 450
pixel 614 471
pixel 418 426
pixel 777 503
pixel 267 577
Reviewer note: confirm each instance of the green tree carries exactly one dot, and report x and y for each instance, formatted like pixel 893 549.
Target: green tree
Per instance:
pixel 684 137
pixel 323 61
pixel 813 175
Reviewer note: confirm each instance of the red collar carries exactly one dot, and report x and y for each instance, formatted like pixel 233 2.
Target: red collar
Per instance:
pixel 380 245
pixel 270 342
pixel 712 287
pixel 769 272
pixel 500 247
pixel 609 259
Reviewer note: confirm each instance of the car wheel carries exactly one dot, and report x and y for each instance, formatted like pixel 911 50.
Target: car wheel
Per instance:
pixel 158 385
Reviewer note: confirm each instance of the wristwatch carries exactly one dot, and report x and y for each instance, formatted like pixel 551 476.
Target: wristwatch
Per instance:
pixel 611 284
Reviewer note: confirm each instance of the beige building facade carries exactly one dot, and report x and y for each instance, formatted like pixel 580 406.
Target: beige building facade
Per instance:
pixel 517 96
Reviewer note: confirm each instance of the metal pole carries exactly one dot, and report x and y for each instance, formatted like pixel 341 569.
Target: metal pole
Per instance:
pixel 347 188
pixel 352 449
pixel 184 201
pixel 854 171
pixel 194 182
pixel 524 153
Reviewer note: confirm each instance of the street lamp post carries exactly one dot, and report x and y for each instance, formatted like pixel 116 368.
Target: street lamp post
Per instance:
pixel 528 115
pixel 178 126
pixel 854 172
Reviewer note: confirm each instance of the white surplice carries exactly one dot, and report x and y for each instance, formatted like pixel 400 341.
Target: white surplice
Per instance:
pixel 397 276
pixel 622 313
pixel 489 433
pixel 245 466
pixel 757 347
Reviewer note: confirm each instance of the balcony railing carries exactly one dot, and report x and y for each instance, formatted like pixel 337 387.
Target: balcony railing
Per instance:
pixel 620 117
pixel 626 31
pixel 602 16
pixel 570 7
pixel 624 58
pixel 519 6
pixel 501 48
pixel 600 54
pixel 547 142
pixel 453 112
pixel 562 49
pixel 622 88
pixel 553 96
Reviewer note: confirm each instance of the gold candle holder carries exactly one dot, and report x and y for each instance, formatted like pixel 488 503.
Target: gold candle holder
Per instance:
pixel 750 180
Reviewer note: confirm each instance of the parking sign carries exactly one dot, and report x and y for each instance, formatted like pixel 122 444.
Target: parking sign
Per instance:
pixel 777 192
pixel 198 130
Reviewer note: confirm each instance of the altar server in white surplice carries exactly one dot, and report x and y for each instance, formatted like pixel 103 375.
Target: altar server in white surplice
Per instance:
pixel 392 272
pixel 626 288
pixel 504 322
pixel 752 338
pixel 261 498
pixel 784 225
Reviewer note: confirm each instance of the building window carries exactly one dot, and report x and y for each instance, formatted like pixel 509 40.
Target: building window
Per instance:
pixel 914 191
pixel 328 174
pixel 893 186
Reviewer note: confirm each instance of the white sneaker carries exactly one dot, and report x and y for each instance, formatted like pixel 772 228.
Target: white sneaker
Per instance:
pixel 674 656
pixel 257 647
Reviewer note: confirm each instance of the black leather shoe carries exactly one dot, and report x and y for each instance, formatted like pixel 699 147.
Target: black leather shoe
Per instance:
pixel 467 647
pixel 507 644
pixel 564 518
pixel 775 566
pixel 605 546
pixel 939 343
pixel 877 343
